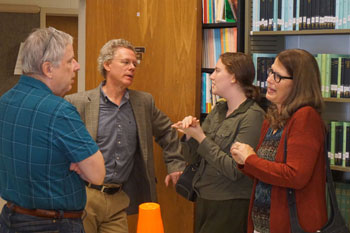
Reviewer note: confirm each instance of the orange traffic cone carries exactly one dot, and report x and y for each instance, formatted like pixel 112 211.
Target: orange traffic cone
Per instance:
pixel 149 220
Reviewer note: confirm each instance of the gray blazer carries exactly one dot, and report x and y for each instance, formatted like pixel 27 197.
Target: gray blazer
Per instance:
pixel 151 122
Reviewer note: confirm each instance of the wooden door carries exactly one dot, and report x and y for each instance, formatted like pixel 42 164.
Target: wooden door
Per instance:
pixel 68 24
pixel 170 31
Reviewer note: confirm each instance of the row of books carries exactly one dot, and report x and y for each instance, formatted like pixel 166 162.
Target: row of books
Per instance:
pixel 334 71
pixel 338 142
pixel 208 100
pixel 294 15
pixel 219 11
pixel 217 41
pixel 262 61
pixel 335 75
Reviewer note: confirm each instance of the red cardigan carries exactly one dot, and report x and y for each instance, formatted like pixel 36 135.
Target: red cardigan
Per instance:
pixel 304 171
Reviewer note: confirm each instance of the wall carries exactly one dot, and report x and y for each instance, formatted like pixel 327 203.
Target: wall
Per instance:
pixel 57 8
pixel 10 42
pixel 170 70
pixel 45 3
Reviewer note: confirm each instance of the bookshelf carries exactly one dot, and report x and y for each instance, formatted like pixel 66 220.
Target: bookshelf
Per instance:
pixel 316 41
pixel 303 32
pixel 238 44
pixel 218 25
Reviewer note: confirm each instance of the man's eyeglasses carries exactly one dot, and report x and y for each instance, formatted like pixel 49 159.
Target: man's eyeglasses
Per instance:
pixel 127 62
pixel 53 31
pixel 276 76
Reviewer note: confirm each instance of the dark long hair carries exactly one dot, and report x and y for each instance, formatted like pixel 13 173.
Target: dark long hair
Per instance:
pixel 241 65
pixel 306 89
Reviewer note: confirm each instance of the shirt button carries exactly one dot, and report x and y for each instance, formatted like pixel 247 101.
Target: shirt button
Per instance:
pixel 118 142
pixel 118 157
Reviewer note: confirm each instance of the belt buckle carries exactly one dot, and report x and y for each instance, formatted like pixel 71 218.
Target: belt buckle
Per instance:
pixel 103 188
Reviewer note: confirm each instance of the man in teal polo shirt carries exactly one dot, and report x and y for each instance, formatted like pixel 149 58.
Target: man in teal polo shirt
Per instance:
pixel 45 148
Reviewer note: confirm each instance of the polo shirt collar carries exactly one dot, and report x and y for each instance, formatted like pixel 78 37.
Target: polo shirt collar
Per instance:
pixel 33 82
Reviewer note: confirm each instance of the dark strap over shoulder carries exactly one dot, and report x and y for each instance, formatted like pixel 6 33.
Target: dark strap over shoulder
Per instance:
pixel 336 223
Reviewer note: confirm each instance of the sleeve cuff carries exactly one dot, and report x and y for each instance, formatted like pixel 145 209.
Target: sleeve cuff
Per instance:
pixel 206 145
pixel 247 167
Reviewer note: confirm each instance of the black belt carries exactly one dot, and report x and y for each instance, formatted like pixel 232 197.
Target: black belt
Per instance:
pixel 103 188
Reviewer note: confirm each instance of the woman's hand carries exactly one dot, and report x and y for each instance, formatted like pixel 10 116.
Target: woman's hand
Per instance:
pixel 240 152
pixel 191 127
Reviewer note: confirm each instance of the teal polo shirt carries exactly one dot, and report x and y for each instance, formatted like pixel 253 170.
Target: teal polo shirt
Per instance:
pixel 41 134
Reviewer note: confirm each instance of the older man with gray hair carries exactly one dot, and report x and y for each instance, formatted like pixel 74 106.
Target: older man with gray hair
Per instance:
pixel 45 149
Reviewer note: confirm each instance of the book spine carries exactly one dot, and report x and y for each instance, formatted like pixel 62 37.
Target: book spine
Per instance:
pixel 208 94
pixel 347 82
pixel 345 15
pixel 332 154
pixel 313 14
pixel 275 15
pixel 341 78
pixel 337 14
pixel 348 14
pixel 203 105
pixel 338 156
pixel 341 12
pixel 347 144
pixel 334 77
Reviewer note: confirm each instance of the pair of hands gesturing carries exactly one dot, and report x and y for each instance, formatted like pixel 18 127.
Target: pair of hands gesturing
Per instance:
pixel 191 127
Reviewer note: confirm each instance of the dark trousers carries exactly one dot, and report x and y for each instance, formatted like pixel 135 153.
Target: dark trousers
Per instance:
pixel 11 222
pixel 228 216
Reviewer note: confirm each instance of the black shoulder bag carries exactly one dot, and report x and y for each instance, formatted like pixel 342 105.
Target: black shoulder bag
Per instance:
pixel 336 223
pixel 184 184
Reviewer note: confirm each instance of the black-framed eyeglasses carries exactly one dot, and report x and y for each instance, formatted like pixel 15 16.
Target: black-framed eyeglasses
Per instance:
pixel 52 30
pixel 276 76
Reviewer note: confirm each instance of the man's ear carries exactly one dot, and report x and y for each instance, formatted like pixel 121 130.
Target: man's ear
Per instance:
pixel 47 69
pixel 106 66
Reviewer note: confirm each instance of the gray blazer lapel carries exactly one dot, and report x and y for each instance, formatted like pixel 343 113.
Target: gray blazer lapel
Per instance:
pixel 91 112
pixel 140 118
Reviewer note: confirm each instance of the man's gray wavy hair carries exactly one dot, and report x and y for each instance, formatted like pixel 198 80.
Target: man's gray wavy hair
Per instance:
pixel 108 50
pixel 42 45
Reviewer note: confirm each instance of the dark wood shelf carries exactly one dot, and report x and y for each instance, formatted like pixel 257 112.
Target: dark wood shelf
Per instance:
pixel 218 25
pixel 302 32
pixel 340 168
pixel 337 100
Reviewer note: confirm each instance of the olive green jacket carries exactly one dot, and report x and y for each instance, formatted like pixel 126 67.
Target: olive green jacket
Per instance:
pixel 218 177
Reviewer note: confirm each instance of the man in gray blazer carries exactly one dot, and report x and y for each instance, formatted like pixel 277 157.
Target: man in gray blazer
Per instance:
pixel 123 122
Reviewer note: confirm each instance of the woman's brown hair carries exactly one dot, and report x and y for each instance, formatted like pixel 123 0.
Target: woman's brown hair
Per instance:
pixel 306 89
pixel 241 65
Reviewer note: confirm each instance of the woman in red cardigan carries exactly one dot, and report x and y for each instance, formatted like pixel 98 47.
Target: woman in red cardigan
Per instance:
pixel 294 90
